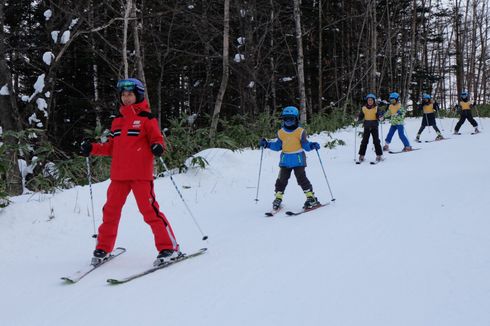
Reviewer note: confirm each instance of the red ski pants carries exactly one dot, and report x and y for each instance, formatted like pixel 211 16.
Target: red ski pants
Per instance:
pixel 117 193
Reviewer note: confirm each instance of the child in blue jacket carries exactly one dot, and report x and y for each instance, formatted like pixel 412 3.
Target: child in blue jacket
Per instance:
pixel 292 140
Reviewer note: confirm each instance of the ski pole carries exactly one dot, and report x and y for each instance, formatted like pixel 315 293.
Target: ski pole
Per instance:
pixel 382 137
pixel 479 116
pixel 326 179
pixel 355 140
pixel 260 171
pixel 454 117
pixel 89 176
pixel 427 121
pixel 204 237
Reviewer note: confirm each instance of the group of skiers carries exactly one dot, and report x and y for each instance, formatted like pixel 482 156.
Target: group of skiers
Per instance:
pixel 135 140
pixel 370 114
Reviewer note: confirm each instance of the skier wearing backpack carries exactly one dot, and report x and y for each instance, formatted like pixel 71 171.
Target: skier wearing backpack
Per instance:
pixel 371 115
pixel 396 112
pixel 134 140
pixel 429 108
pixel 292 141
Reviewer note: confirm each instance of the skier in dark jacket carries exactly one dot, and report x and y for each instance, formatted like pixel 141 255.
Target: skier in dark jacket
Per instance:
pixel 135 138
pixel 464 108
pixel 371 115
pixel 429 109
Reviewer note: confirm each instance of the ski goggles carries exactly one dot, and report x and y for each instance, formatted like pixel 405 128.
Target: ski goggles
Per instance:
pixel 126 85
pixel 289 118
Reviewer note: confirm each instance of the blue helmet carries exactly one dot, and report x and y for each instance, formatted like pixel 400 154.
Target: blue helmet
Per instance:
pixel 290 111
pixel 464 94
pixel 132 85
pixel 371 95
pixel 426 96
pixel 394 96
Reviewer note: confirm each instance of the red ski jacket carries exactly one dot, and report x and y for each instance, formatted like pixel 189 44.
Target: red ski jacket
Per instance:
pixel 132 134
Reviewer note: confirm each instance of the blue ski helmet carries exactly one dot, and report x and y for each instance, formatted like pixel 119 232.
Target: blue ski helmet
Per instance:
pixel 371 95
pixel 290 111
pixel 464 94
pixel 132 85
pixel 426 96
pixel 394 96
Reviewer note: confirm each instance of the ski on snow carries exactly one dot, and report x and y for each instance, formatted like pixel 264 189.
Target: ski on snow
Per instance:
pixel 305 210
pixel 77 276
pixel 156 268
pixel 402 151
pixel 430 141
pixel 376 162
pixel 273 212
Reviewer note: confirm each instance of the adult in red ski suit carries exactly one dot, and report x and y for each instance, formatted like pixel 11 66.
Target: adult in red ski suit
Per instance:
pixel 134 139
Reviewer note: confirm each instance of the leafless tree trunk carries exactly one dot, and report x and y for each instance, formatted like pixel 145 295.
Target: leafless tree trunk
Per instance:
pixel 127 12
pixel 458 48
pixel 9 120
pixel 226 72
pixel 320 55
pixel 413 51
pixel 300 63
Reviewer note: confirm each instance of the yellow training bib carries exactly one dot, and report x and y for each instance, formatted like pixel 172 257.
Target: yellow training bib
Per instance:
pixel 465 105
pixel 394 108
pixel 429 108
pixel 370 114
pixel 291 141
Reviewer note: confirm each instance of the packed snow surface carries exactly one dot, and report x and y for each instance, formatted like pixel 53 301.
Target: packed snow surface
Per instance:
pixel 406 242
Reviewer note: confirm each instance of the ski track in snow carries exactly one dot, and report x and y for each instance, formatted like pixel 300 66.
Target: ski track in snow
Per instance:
pixel 407 242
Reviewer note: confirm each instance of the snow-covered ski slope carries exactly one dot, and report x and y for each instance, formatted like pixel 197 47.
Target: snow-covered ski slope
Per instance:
pixel 407 242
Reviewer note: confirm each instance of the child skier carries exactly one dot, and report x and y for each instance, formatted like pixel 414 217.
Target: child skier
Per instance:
pixel 135 138
pixel 396 113
pixel 292 140
pixel 370 114
pixel 429 109
pixel 464 109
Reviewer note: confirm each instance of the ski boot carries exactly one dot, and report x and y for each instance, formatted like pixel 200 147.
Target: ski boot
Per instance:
pixel 166 256
pixel 417 139
pixel 439 136
pixel 276 204
pixel 407 149
pixel 379 158
pixel 99 256
pixel 476 131
pixel 311 200
pixel 361 158
pixel 456 132
pixel 386 147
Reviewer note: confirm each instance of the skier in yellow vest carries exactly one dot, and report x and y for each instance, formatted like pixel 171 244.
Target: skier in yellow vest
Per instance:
pixel 292 141
pixel 370 114
pixel 429 108
pixel 464 108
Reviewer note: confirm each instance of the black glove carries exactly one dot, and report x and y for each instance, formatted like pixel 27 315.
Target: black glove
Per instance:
pixel 314 146
pixel 85 148
pixel 263 143
pixel 157 149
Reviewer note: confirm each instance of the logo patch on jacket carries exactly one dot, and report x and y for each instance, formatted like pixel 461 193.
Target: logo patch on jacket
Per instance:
pixel 137 124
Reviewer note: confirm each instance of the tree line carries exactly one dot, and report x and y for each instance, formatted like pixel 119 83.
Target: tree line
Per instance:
pixel 209 60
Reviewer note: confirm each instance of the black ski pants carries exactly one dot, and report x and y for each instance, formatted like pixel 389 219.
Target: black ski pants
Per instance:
pixel 465 114
pixel 365 139
pixel 428 119
pixel 285 174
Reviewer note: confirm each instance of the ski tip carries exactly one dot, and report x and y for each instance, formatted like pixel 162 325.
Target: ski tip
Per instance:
pixel 67 280
pixel 204 238
pixel 113 281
